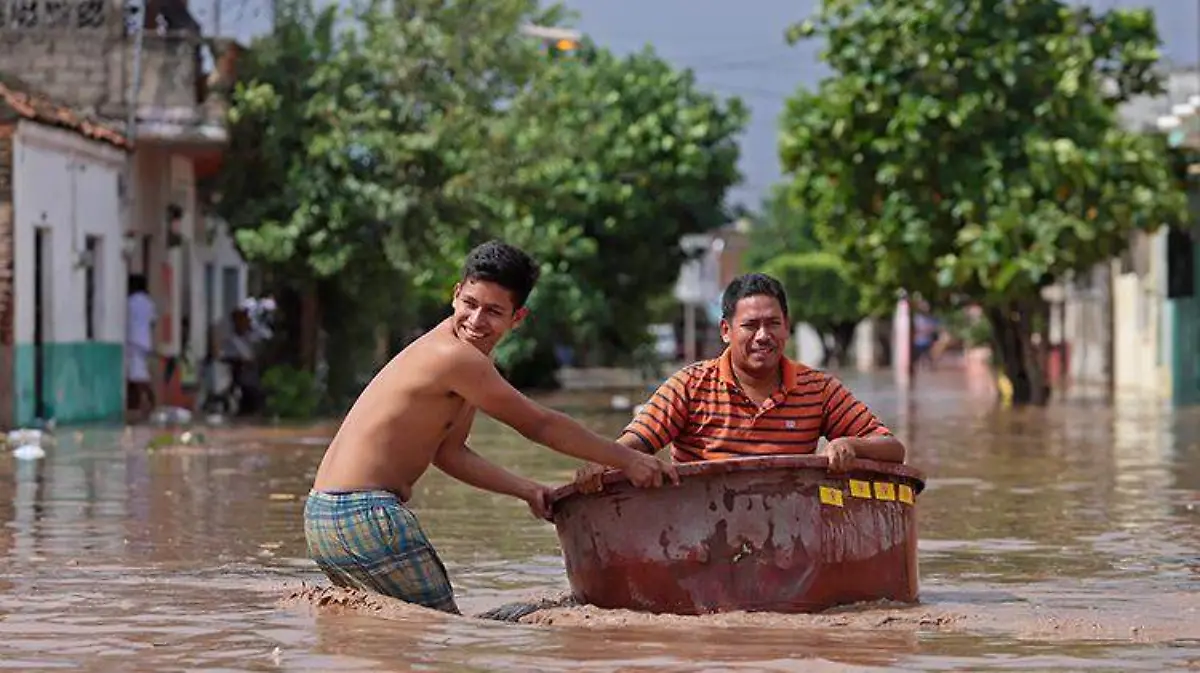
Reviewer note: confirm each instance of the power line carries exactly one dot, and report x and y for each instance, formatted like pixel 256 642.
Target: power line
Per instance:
pixel 750 91
pixel 757 65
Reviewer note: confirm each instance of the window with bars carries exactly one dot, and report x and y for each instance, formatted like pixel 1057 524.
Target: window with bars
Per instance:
pixel 91 281
pixel 16 15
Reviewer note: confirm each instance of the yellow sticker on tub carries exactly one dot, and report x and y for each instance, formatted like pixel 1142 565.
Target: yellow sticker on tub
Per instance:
pixel 831 496
pixel 860 489
pixel 906 494
pixel 885 490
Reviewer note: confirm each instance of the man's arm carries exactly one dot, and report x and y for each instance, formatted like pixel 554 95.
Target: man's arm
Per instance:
pixel 634 442
pixel 589 478
pixel 853 430
pixel 473 376
pixel 884 448
pixel 661 420
pixel 457 459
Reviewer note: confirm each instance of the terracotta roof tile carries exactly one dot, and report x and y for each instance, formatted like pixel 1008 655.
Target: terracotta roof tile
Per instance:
pixel 39 108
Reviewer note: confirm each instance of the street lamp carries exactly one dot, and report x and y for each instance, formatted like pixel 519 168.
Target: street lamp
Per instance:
pixel 554 39
pixel 550 33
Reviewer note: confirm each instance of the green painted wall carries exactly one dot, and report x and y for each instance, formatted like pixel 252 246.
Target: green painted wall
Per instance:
pixel 1185 372
pixel 85 382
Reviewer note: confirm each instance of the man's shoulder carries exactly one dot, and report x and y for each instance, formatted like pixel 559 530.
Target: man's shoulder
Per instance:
pixel 439 352
pixel 434 344
pixel 807 376
pixel 698 370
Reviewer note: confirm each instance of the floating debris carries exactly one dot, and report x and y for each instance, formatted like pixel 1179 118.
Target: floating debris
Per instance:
pixel 171 416
pixel 27 443
pixel 25 436
pixel 29 452
pixel 169 439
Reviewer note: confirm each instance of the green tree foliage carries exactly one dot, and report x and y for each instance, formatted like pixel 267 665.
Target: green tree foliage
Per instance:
pixel 971 148
pixel 369 153
pixel 631 156
pixel 356 141
pixel 822 294
pixel 779 228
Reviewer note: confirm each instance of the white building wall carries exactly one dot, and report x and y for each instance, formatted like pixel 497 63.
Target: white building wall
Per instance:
pixel 1139 365
pixel 217 258
pixel 190 279
pixel 184 293
pixel 147 227
pixel 219 284
pixel 163 178
pixel 1087 328
pixel 865 345
pixel 69 185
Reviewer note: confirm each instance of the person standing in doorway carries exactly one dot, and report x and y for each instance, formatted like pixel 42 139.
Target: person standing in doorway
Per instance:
pixel 239 351
pixel 140 316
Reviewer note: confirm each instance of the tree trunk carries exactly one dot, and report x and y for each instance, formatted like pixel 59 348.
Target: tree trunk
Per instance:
pixel 310 326
pixel 1022 361
pixel 883 344
pixel 826 349
pixel 843 339
pixel 383 345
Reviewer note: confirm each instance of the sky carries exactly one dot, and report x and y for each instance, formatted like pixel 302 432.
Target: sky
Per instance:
pixel 736 48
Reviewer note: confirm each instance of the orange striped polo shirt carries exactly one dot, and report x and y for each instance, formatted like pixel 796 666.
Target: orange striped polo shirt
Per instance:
pixel 703 414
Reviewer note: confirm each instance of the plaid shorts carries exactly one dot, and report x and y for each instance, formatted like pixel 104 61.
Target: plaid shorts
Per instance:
pixel 369 540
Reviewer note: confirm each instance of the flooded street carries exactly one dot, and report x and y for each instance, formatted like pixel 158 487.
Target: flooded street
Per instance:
pixel 1064 539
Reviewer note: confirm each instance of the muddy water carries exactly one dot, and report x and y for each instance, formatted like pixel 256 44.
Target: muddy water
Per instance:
pixel 1064 539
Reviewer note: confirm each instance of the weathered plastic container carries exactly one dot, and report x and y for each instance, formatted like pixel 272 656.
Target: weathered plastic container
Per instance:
pixel 774 533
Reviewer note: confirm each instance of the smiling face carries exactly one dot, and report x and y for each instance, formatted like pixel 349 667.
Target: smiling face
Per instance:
pixel 483 313
pixel 757 334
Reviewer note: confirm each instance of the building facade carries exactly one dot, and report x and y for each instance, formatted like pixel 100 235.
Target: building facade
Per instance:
pixel 143 67
pixel 62 272
pixel 1156 286
pixel 1181 314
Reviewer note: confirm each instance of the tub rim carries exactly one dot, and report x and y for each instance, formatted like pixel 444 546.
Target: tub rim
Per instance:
pixel 702 468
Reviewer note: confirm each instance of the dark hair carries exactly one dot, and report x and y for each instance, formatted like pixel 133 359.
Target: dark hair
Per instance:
pixel 137 283
pixel 751 285
pixel 505 265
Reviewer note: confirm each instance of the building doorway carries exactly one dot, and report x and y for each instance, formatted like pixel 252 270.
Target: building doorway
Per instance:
pixel 41 318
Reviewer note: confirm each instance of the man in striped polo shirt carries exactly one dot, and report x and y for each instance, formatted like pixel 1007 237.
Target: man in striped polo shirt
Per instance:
pixel 752 400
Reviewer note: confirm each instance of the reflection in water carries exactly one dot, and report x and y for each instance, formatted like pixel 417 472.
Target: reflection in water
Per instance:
pixel 27 512
pixel 113 555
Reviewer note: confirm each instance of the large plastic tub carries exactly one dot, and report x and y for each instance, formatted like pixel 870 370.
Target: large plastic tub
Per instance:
pixel 775 533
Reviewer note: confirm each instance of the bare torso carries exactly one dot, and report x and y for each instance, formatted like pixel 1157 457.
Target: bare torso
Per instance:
pixel 392 433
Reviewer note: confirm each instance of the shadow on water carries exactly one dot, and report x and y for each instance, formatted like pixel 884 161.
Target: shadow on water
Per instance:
pixel 1062 538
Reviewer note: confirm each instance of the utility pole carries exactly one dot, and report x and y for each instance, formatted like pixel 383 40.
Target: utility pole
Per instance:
pixel 133 20
pixel 135 79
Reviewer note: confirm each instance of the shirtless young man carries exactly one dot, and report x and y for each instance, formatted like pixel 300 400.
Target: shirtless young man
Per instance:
pixel 418 410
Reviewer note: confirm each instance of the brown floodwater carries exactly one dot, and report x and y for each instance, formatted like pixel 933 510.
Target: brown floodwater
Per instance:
pixel 1059 539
